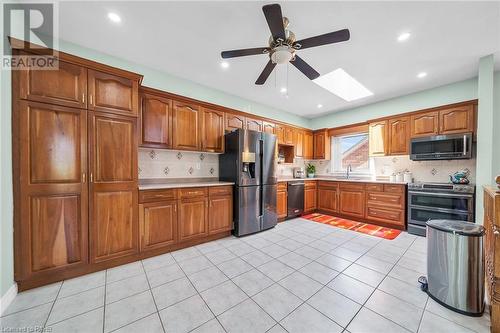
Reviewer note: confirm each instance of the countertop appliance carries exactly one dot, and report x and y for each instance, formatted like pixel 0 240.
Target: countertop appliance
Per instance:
pixel 441 147
pixel 295 198
pixel 455 266
pixel 438 201
pixel 298 172
pixel 249 161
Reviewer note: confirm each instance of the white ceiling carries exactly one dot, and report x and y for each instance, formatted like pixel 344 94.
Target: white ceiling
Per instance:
pixel 186 38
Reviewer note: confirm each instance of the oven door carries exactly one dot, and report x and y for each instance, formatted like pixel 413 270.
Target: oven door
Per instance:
pixel 420 215
pixel 442 201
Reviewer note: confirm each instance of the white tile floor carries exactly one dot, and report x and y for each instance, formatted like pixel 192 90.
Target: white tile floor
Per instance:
pixel 301 276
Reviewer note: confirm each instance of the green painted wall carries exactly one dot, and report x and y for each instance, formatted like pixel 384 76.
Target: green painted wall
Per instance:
pixel 451 93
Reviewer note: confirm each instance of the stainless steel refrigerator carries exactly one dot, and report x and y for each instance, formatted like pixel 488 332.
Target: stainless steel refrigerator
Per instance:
pixel 249 161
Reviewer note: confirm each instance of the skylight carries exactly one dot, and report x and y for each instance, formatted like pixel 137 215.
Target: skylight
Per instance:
pixel 343 85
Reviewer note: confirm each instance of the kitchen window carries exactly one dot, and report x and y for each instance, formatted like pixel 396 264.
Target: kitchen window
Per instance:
pixel 351 149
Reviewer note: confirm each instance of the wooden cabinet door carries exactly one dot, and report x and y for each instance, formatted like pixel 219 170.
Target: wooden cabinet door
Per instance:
pixel 193 218
pixel 321 145
pixel 158 222
pixel 352 202
pixel 186 126
pixel 377 138
pixel 254 124
pixel 456 120
pixel 308 145
pixel 234 121
pixel 279 130
pixel 113 187
pixel 212 130
pixel 299 143
pixel 112 93
pixel 51 232
pixel 66 85
pixel 220 214
pixel 288 136
pixel 424 124
pixel 156 121
pixel 281 204
pixel 268 127
pixel 327 200
pixel 310 203
pixel 399 136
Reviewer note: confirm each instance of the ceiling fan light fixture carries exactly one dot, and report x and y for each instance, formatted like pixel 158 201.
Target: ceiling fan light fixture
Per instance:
pixel 281 55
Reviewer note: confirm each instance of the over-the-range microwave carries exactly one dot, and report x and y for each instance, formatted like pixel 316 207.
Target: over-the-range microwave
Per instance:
pixel 441 147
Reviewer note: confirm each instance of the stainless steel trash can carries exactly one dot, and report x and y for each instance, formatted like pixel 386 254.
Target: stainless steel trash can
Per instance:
pixel 455 265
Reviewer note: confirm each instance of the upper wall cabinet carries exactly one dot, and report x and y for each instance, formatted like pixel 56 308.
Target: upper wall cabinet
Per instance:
pixel 234 121
pixel 254 124
pixel 456 120
pixel 212 130
pixel 377 138
pixel 66 86
pixel 268 127
pixel 399 136
pixel 308 145
pixel 279 131
pixel 112 93
pixel 299 143
pixel 425 124
pixel 288 136
pixel 321 145
pixel 156 121
pixel 186 126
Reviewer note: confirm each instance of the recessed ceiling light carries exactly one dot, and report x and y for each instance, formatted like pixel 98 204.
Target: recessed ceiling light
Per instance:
pixel 421 75
pixel 320 106
pixel 343 85
pixel 114 17
pixel 283 90
pixel 404 36
pixel 224 64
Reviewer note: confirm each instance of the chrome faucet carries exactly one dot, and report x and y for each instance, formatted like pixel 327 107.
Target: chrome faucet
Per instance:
pixel 349 169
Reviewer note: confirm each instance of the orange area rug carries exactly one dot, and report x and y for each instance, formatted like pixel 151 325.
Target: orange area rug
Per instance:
pixel 365 228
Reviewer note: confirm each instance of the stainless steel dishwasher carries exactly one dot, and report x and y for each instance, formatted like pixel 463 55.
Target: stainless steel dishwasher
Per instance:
pixel 295 199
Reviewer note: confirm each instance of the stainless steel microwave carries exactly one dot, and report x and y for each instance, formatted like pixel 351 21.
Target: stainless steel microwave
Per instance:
pixel 441 147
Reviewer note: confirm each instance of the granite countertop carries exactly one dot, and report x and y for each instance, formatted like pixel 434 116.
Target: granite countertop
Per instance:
pixel 335 179
pixel 156 184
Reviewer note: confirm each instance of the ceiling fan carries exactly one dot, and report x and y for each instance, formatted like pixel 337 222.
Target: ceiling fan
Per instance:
pixel 283 46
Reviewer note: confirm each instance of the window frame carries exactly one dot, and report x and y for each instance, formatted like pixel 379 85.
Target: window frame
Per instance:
pixel 336 160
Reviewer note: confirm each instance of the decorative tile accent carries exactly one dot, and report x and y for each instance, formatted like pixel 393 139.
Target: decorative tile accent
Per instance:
pixel 434 171
pixel 139 170
pixel 179 155
pixel 191 170
pixel 394 160
pixel 202 157
pixel 212 170
pixel 153 154
pixel 166 170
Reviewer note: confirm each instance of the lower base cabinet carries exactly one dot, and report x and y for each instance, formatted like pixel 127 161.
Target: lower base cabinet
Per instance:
pixel 281 201
pixel 158 221
pixel 310 196
pixel 220 216
pixel 193 219
pixel 352 200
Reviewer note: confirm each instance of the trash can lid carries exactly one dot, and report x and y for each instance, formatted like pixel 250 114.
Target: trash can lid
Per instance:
pixel 457 227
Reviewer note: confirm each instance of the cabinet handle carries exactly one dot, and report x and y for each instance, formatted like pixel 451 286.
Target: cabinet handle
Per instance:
pixel 91 178
pixel 91 99
pixel 83 177
pixel 83 98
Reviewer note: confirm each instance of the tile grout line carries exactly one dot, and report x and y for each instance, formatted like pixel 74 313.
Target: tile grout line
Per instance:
pixel 153 297
pixel 104 311
pixel 53 304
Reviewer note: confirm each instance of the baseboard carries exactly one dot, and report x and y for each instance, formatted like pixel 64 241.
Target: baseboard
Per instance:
pixel 9 296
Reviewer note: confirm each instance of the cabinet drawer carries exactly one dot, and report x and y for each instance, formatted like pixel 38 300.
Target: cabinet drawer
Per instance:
pixel 352 187
pixel 282 186
pixel 327 184
pixel 193 192
pixel 386 215
pixel 375 187
pixel 157 195
pixel 378 198
pixel 310 184
pixel 220 190
pixel 394 188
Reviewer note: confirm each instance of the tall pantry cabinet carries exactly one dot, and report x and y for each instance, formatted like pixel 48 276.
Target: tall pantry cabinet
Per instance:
pixel 75 168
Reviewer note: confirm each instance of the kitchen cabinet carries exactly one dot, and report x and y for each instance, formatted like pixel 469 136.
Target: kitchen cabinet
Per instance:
pixel 288 136
pixel 65 86
pixel 186 126
pixel 113 93
pixel 158 222
pixel 268 127
pixel 386 204
pixel 328 197
pixel 281 200
pixel 220 216
pixel 114 228
pixel 279 130
pixel 377 138
pixel 308 145
pixel 193 218
pixel 299 143
pixel 456 120
pixel 424 124
pixel 156 121
pixel 212 131
pixel 310 196
pixel 352 200
pixel 254 124
pixel 321 145
pixel 234 121
pixel 399 136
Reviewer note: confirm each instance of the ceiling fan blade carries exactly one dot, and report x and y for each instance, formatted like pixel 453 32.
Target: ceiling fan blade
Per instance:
pixel 329 38
pixel 244 52
pixel 265 73
pixel 304 67
pixel 274 20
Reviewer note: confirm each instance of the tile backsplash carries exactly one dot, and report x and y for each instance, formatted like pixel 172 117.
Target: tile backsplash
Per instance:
pixel 159 163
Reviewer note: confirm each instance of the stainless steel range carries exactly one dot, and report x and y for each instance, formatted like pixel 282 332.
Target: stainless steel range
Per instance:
pixel 444 201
